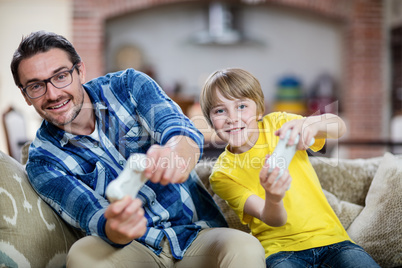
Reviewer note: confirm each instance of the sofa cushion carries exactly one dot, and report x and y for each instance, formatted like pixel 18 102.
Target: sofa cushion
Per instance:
pixel 204 169
pixel 345 210
pixel 347 179
pixel 31 235
pixel 378 227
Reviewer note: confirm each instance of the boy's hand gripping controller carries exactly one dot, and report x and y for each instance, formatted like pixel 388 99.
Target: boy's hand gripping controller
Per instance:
pixel 283 154
pixel 130 180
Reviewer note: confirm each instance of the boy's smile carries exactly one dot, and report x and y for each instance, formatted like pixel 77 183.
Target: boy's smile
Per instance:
pixel 236 122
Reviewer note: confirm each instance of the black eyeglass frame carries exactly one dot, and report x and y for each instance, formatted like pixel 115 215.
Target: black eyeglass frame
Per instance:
pixel 46 81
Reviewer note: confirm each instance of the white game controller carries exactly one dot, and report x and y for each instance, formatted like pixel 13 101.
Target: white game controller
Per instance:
pixel 283 154
pixel 130 180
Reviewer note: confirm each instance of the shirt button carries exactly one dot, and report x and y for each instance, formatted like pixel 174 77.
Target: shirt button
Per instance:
pixel 152 203
pixel 121 162
pixel 96 145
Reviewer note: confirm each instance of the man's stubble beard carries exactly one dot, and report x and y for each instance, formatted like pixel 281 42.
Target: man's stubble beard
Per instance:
pixel 74 113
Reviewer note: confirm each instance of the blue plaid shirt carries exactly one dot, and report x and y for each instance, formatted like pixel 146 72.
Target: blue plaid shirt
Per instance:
pixel 71 172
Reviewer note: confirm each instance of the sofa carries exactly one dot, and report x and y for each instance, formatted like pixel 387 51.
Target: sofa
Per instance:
pixel 364 193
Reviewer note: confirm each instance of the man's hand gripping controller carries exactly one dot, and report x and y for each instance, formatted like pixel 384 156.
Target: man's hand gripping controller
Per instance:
pixel 283 154
pixel 130 180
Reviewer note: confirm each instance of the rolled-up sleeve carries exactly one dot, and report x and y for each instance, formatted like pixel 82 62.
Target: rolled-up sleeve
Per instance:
pixel 160 115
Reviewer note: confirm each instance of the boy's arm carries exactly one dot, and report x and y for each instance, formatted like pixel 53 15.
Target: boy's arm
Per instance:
pixel 328 126
pixel 272 214
pixel 271 211
pixel 322 126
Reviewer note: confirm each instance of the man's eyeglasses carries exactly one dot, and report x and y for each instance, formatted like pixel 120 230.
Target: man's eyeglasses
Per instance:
pixel 59 80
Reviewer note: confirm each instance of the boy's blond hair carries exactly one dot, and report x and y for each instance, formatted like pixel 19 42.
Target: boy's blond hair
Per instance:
pixel 232 83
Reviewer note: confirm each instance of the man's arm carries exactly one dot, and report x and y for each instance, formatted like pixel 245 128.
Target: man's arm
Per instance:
pixel 125 221
pixel 172 162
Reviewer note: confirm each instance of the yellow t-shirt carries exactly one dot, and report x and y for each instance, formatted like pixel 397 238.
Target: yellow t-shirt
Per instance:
pixel 311 221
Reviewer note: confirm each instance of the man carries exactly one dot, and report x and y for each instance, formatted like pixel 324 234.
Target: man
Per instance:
pixel 88 133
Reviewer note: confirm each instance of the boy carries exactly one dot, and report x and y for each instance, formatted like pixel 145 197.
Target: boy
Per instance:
pixel 296 225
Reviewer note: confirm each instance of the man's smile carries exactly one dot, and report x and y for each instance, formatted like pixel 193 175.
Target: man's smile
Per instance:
pixel 59 105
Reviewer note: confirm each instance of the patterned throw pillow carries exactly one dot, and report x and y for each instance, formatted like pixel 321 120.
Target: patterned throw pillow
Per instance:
pixel 31 234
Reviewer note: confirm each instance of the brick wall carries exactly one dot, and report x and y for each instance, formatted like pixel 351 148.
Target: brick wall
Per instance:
pixel 363 101
pixel 364 85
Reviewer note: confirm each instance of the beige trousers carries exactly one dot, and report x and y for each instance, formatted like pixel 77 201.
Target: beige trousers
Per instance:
pixel 215 247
